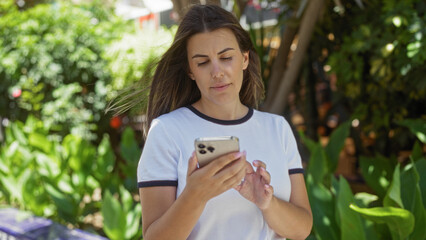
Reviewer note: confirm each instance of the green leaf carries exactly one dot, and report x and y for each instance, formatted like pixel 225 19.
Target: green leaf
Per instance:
pixel 15 185
pixel 129 147
pixel 336 144
pixel 412 199
pixel 65 204
pixel 18 134
pixel 399 221
pixel 417 152
pixel 105 160
pixel 351 224
pixel 421 168
pixel 47 165
pixel 393 195
pixel 310 144
pixel 114 217
pixel 323 211
pixel 80 153
pixel 126 199
pixel 318 164
pixel 39 141
pixel 416 126
pixel 377 173
pixel 133 220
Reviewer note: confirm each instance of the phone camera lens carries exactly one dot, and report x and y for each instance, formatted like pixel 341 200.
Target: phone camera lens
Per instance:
pixel 201 145
pixel 211 149
pixel 203 151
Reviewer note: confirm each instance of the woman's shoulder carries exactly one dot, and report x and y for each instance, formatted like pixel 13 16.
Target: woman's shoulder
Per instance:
pixel 173 117
pixel 269 116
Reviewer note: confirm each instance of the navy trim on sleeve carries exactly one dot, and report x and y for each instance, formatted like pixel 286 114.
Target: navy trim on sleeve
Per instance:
pixel 296 170
pixel 161 183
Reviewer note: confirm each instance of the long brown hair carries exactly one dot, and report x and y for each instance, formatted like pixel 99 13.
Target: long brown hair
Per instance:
pixel 171 86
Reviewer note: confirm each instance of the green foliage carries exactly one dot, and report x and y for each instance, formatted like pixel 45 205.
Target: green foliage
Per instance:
pixel 7 6
pixel 130 55
pixel 131 153
pixel 399 221
pixel 318 180
pixel 381 71
pixel 121 219
pixel 377 173
pixel 398 212
pixel 411 195
pixel 350 222
pixel 64 180
pixel 51 66
pixel 323 161
pixel 416 126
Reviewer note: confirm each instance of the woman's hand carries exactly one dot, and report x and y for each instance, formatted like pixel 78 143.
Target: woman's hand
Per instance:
pixel 216 177
pixel 255 186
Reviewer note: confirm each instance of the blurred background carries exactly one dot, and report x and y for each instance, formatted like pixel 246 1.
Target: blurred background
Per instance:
pixel 349 76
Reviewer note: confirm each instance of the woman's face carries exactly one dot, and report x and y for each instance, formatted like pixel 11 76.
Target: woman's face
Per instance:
pixel 216 64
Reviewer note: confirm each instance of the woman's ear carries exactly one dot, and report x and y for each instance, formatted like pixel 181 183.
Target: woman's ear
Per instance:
pixel 191 75
pixel 246 58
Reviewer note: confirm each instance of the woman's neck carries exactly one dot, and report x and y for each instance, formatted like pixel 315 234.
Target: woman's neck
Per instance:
pixel 231 111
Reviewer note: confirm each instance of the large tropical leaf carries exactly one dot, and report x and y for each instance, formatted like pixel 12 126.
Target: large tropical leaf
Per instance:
pixel 393 195
pixel 114 217
pixel 377 172
pixel 416 126
pixel 421 168
pixel 335 145
pixel 350 222
pixel 322 204
pixel 399 221
pixel 412 198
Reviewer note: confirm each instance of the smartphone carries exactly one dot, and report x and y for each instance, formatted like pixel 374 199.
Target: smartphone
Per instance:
pixel 210 148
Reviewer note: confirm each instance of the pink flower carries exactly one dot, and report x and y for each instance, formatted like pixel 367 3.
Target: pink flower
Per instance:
pixel 16 93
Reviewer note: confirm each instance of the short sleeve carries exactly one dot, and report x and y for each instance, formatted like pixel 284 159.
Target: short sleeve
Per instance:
pixel 292 153
pixel 159 160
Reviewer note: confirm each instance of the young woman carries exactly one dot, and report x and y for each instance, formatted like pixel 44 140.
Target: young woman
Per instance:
pixel 208 84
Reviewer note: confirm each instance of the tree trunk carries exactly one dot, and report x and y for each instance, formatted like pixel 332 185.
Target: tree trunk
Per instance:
pixel 280 64
pixel 181 6
pixel 306 29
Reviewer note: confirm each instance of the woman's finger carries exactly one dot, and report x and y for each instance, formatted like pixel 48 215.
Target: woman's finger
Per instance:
pixel 269 190
pixel 258 163
pixel 192 164
pixel 218 164
pixel 265 174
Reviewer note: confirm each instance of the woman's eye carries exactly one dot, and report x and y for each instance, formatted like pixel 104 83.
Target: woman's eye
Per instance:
pixel 202 63
pixel 227 58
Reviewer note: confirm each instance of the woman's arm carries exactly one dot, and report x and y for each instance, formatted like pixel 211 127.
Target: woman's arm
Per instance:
pixel 291 219
pixel 165 217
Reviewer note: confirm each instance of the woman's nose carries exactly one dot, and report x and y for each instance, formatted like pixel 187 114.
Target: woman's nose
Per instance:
pixel 216 71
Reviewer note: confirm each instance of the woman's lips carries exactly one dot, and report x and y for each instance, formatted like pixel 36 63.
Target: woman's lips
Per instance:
pixel 221 87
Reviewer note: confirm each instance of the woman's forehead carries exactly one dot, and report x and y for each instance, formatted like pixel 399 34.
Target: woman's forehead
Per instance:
pixel 216 40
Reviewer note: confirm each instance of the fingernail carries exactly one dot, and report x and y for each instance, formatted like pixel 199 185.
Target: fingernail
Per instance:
pixel 238 154
pixel 193 154
pixel 267 186
pixel 244 153
pixel 263 169
pixel 255 162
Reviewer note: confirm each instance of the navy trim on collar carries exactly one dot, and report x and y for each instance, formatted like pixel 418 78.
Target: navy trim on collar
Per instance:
pixel 222 122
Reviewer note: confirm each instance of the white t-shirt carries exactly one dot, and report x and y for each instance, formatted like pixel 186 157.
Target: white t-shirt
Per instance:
pixel 264 136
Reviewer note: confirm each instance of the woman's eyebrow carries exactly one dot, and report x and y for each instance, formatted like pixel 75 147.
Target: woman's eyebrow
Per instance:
pixel 224 50
pixel 201 55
